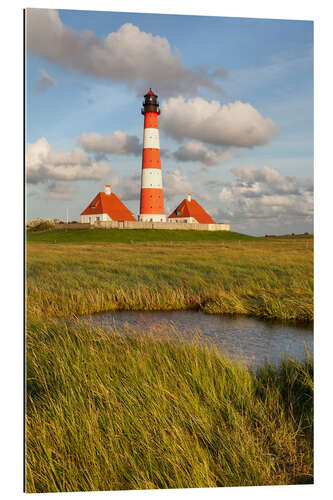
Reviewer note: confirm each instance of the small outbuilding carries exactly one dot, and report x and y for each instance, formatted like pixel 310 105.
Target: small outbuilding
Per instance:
pixel 106 207
pixel 190 211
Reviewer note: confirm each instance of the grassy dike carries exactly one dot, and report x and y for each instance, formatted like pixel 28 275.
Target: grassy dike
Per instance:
pixel 258 277
pixel 133 236
pixel 127 410
pixel 109 411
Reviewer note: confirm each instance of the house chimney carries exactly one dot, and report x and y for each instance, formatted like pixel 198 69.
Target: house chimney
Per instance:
pixel 189 197
pixel 107 189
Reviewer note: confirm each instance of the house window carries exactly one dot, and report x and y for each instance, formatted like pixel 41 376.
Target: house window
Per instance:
pixel 97 218
pixel 179 212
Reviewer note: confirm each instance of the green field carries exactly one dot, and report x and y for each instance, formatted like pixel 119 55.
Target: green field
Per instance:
pixel 259 277
pixel 125 410
pixel 133 235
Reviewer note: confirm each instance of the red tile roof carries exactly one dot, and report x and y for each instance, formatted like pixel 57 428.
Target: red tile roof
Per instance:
pixel 108 204
pixel 192 209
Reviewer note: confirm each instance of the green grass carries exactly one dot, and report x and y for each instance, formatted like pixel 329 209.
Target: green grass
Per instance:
pixel 136 411
pixel 267 278
pixel 133 235
pixel 126 410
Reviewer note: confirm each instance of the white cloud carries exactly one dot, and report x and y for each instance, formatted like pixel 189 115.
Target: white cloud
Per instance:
pixel 128 55
pixel 176 184
pixel 45 81
pixel 235 124
pixel 263 194
pixel 42 164
pixel 119 143
pixel 197 151
pixel 250 178
pixel 129 187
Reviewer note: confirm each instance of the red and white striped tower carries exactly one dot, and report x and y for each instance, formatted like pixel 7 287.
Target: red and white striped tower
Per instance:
pixel 151 200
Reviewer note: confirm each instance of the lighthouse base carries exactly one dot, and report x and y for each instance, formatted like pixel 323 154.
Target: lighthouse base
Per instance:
pixel 152 218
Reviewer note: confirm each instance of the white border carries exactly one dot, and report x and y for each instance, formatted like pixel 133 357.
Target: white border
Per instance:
pixel 11 244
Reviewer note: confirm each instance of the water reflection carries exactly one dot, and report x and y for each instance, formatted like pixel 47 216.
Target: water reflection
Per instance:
pixel 247 339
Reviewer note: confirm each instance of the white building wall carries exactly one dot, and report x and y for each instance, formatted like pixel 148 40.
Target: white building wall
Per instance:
pixel 91 219
pixel 189 220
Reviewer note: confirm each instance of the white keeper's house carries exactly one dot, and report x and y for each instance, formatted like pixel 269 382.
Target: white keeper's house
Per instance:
pixel 106 207
pixel 190 211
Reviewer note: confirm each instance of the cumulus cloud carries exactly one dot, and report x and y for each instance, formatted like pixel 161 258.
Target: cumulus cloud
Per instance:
pixel 250 178
pixel 119 143
pixel 264 195
pixel 61 190
pixel 129 187
pixel 176 184
pixel 235 124
pixel 45 81
pixel 42 164
pixel 197 151
pixel 128 55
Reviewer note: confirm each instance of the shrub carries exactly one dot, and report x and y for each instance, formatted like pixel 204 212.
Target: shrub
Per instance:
pixel 40 225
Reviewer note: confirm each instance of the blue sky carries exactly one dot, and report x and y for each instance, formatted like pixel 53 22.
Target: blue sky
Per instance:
pixel 250 164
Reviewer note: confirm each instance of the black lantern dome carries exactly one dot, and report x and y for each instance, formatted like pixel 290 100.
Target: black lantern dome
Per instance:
pixel 150 104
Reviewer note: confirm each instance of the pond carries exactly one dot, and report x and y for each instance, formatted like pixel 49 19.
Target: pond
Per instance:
pixel 249 340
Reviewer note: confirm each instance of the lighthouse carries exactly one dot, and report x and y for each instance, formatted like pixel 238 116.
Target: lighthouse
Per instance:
pixel 151 199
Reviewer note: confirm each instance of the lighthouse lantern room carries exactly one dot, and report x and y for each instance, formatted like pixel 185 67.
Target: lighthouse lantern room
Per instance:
pixel 151 199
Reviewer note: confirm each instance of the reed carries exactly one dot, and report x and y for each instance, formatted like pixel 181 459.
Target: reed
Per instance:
pixel 268 278
pixel 111 411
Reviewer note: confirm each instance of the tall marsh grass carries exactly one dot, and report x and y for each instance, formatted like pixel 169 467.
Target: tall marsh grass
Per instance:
pixel 264 278
pixel 125 410
pixel 137 411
